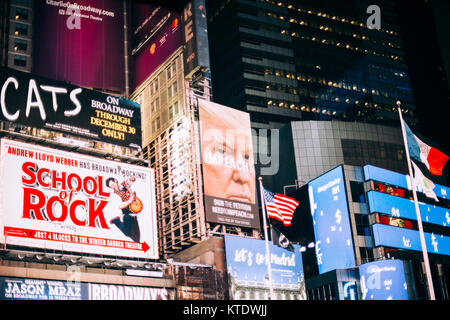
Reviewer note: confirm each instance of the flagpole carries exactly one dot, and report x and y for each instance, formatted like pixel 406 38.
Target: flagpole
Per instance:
pixel 269 268
pixel 416 204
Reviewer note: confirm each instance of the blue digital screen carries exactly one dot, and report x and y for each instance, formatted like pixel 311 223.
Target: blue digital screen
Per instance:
pixel 404 208
pixel 331 222
pixel 247 261
pixel 389 236
pixel 383 280
pixel 399 180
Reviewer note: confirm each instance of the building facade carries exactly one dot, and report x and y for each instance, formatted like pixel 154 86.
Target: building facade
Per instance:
pixel 375 222
pixel 290 60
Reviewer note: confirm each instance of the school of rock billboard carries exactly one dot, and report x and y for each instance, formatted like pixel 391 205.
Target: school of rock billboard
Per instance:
pixel 81 42
pixel 56 106
pixel 228 168
pixel 71 202
pixel 156 35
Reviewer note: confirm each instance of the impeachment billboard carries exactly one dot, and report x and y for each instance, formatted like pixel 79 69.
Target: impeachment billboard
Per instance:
pixel 228 167
pixel 56 106
pixel 64 201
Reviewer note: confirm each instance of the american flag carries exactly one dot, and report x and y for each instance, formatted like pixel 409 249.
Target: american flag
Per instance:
pixel 280 207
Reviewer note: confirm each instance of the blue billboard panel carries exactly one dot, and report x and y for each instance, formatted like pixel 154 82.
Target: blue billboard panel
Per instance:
pixel 404 208
pixel 389 236
pixel 247 261
pixel 331 222
pixel 383 280
pixel 399 180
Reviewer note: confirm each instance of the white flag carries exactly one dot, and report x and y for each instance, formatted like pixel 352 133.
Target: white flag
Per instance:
pixel 424 184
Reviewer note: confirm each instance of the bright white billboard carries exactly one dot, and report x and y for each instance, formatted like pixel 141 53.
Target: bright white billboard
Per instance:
pixel 66 201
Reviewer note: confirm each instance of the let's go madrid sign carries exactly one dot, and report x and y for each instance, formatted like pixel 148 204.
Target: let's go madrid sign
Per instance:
pixel 58 106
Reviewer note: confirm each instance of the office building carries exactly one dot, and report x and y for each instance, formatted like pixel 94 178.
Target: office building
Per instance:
pixel 362 216
pixel 308 60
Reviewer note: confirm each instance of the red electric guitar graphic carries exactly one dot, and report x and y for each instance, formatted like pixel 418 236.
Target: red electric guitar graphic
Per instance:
pixel 136 205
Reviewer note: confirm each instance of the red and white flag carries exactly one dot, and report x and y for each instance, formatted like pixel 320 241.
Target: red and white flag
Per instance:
pixel 280 207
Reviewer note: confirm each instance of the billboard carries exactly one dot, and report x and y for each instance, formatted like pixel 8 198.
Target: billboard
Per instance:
pixel 80 42
pixel 40 289
pixel 228 167
pixel 156 35
pixel 394 237
pixel 246 261
pixel 399 180
pixel 331 221
pixel 71 202
pixel 56 106
pixel 383 280
pixel 404 208
pixel 195 37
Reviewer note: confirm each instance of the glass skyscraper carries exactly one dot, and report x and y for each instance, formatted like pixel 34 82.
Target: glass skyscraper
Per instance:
pixel 308 60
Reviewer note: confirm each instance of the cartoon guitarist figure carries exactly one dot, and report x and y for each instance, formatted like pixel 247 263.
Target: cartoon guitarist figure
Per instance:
pixel 128 222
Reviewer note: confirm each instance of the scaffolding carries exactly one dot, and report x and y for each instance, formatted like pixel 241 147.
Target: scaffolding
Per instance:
pixel 174 154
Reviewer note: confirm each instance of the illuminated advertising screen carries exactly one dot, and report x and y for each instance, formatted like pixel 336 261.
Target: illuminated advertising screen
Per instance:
pixel 228 167
pixel 247 264
pixel 40 289
pixel 399 180
pixel 80 42
pixel 383 280
pixel 71 202
pixel 195 37
pixel 157 33
pixel 331 221
pixel 394 237
pixel 404 208
pixel 56 106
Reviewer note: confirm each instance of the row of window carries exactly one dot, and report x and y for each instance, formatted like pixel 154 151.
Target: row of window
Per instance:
pixel 337 30
pixel 333 17
pixel 306 78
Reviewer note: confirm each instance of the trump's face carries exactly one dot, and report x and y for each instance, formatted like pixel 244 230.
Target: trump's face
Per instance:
pixel 227 161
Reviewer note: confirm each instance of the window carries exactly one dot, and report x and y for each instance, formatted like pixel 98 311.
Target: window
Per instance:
pixel 20 45
pixel 155 105
pixel 22 2
pixel 154 86
pixel 21 14
pixel 173 110
pixel 362 225
pixel 21 29
pixel 172 69
pixel 156 124
pixel 357 190
pixel 20 61
pixel 172 90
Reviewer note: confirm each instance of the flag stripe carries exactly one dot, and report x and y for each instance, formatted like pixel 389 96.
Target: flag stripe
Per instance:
pixel 280 207
pixel 437 161
pixel 434 159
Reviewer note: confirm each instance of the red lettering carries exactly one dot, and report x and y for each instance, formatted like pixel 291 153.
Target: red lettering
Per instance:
pixel 51 207
pixel 95 212
pixel 77 178
pixel 73 207
pixel 93 185
pixel 28 206
pixel 31 179
pixel 39 177
pixel 101 193
pixel 56 179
